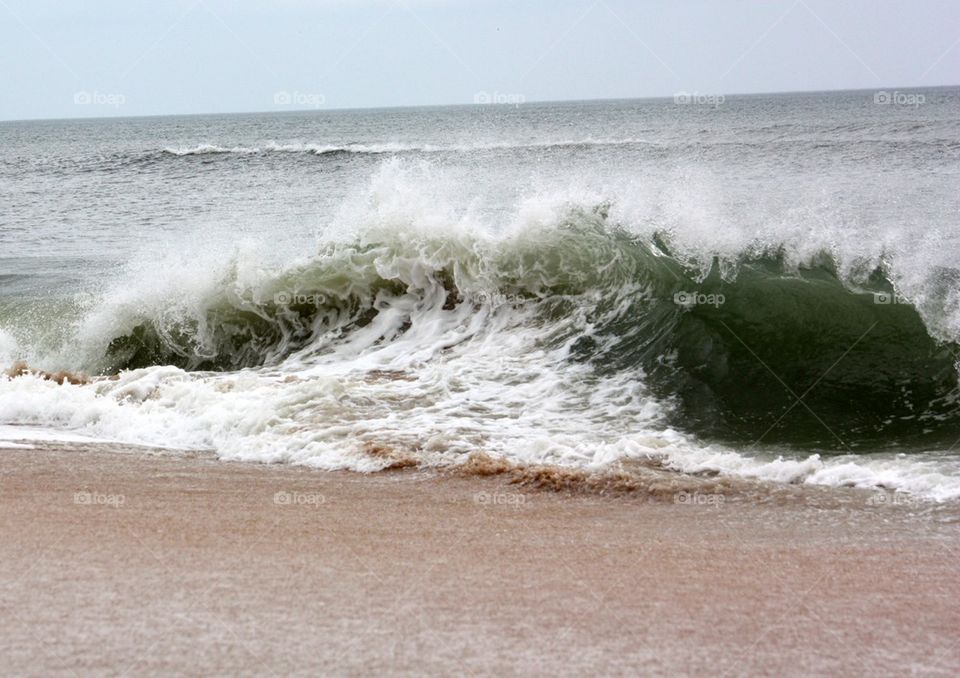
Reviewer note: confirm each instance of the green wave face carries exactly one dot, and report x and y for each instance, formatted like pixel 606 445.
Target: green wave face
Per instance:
pixel 764 354
pixel 800 359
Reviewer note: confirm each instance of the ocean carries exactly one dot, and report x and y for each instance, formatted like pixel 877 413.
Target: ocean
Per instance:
pixel 764 287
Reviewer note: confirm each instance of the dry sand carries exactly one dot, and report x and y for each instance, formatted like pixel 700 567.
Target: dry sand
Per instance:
pixel 131 564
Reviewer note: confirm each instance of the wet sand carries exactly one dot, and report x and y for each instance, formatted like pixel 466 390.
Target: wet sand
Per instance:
pixel 132 564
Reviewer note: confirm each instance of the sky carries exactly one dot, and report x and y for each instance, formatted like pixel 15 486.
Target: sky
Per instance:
pixel 80 58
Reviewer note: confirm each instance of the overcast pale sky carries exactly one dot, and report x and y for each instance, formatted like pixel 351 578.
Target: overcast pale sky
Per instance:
pixel 76 58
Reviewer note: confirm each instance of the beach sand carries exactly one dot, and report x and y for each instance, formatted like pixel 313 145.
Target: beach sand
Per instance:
pixel 122 563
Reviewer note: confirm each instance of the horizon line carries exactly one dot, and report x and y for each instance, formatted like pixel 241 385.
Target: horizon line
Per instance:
pixel 462 105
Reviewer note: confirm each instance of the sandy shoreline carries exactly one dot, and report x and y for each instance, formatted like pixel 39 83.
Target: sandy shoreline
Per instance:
pixel 128 564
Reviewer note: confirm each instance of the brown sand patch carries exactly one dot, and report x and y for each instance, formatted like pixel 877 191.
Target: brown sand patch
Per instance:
pixel 396 459
pixel 649 479
pixel 480 464
pixel 21 368
pixel 554 478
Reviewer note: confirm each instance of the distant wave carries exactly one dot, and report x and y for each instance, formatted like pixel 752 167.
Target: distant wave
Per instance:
pixel 392 147
pixel 209 149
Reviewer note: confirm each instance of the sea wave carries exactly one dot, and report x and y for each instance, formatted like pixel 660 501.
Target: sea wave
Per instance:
pixel 391 147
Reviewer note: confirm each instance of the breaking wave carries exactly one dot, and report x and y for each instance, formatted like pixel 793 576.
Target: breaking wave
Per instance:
pixel 743 352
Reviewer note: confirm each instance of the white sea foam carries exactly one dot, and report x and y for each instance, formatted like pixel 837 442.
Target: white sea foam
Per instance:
pixel 6 445
pixel 445 409
pixel 41 434
pixel 8 348
pixel 925 477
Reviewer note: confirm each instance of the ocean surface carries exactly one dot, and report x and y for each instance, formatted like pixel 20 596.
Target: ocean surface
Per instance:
pixel 764 286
